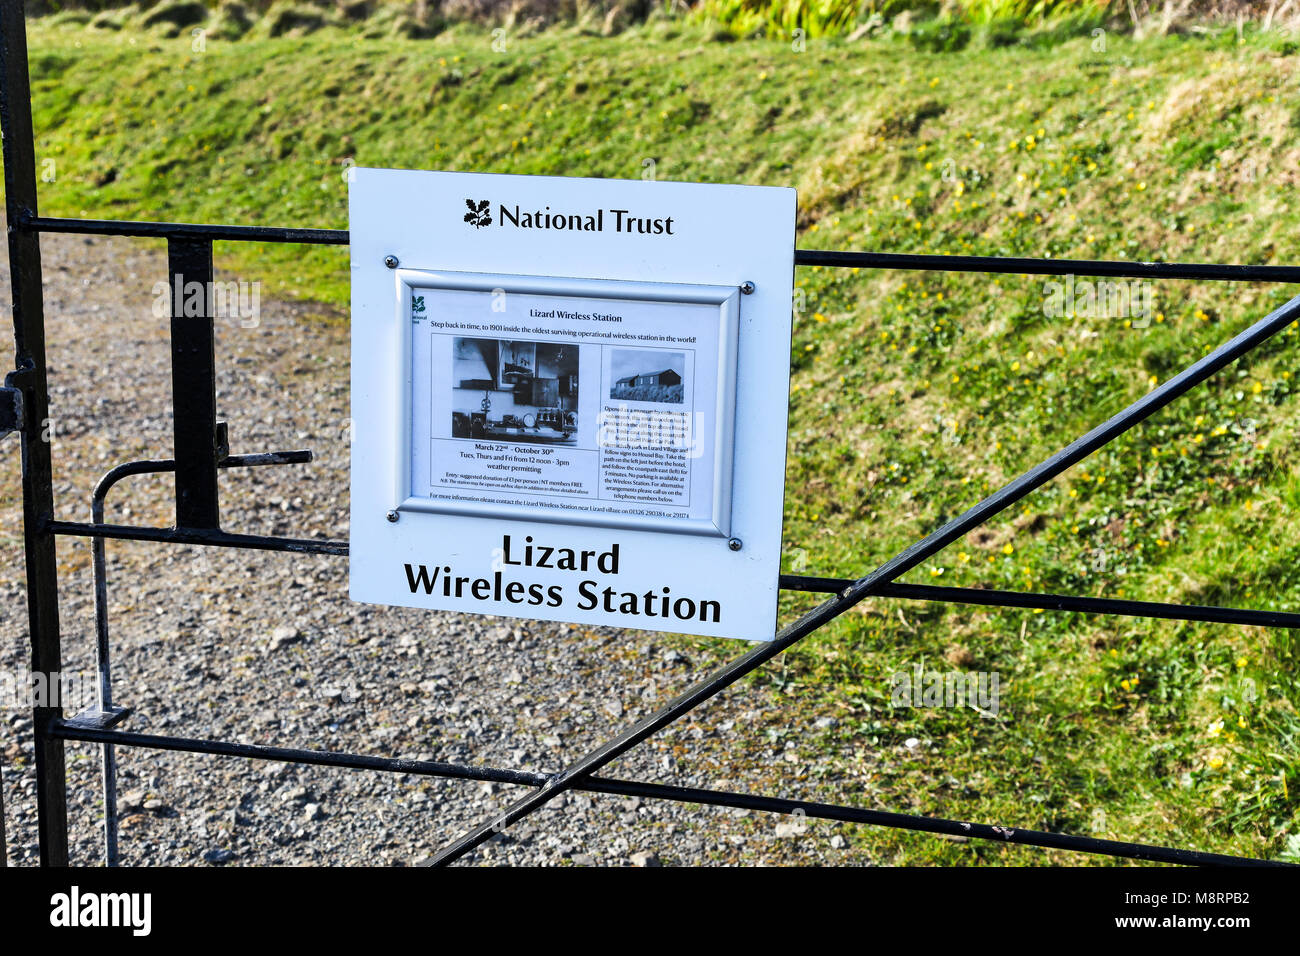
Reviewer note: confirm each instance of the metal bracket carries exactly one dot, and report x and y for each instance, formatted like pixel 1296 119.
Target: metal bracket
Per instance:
pixel 92 718
pixel 11 410
pixel 222 440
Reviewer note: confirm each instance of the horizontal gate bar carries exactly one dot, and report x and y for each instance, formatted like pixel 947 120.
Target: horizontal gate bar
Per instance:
pixel 907 821
pixel 321 758
pixel 1054 267
pixel 803 257
pixel 161 466
pixel 788 582
pixel 719 798
pixel 992 597
pixel 214 537
pixel 1069 602
pixel 186 230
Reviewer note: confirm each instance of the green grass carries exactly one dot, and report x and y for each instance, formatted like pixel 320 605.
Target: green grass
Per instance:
pixel 1005 19
pixel 913 395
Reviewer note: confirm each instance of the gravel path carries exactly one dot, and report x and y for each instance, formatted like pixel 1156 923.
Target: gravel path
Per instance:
pixel 267 648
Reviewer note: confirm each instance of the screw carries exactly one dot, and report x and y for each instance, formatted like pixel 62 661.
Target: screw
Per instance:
pixel 390 261
pixel 747 287
pixel 393 516
pixel 735 544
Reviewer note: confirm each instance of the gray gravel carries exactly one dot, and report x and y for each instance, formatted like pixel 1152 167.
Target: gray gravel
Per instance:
pixel 267 648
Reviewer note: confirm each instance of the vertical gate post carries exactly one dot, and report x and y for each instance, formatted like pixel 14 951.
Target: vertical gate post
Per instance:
pixel 38 489
pixel 194 384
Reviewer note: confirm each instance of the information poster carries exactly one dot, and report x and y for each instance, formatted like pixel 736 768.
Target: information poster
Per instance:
pixel 583 406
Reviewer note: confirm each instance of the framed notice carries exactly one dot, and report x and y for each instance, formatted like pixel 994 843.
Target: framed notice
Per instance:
pixel 577 401
pixel 569 398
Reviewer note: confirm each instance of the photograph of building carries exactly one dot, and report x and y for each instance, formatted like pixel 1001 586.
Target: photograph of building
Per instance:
pixel 647 375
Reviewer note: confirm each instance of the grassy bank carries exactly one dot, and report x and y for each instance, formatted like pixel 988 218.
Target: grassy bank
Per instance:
pixel 913 394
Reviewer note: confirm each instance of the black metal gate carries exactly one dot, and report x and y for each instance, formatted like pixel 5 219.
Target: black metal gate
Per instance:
pixel 201 450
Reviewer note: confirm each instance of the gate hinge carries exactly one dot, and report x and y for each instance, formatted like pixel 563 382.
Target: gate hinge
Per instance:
pixel 11 410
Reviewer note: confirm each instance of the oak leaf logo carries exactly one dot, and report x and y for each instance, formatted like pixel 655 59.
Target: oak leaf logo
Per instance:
pixel 478 215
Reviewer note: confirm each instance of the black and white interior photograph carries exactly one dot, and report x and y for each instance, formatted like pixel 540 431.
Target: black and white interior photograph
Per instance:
pixel 515 391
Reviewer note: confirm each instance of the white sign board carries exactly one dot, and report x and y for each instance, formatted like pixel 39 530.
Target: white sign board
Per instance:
pixel 569 398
